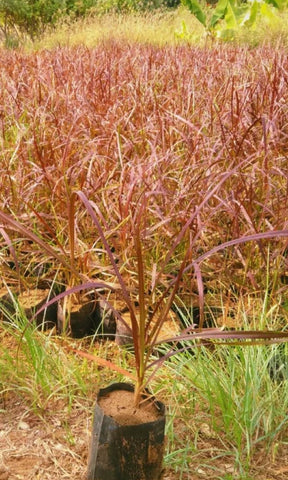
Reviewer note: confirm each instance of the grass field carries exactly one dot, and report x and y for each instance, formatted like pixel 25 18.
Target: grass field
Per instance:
pixel 172 27
pixel 202 130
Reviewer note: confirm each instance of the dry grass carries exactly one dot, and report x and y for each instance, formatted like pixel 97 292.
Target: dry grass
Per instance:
pixel 156 28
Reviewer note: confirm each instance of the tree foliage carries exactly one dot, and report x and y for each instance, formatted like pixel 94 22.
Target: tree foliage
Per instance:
pixel 231 15
pixel 33 16
pixel 29 16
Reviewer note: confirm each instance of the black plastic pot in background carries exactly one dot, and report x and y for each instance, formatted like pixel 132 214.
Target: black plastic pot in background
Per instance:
pixel 84 319
pixel 29 302
pixel 125 452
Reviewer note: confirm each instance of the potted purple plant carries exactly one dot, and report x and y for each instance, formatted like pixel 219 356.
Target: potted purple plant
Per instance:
pixel 128 430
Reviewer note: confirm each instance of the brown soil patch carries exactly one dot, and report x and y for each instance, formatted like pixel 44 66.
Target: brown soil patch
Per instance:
pixel 42 448
pixel 119 404
pixel 33 298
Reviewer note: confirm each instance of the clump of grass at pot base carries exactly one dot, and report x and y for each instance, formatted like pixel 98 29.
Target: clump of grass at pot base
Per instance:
pixel 234 401
pixel 43 370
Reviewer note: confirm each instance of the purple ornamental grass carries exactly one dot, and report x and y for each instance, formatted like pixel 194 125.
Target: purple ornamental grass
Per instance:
pixel 201 134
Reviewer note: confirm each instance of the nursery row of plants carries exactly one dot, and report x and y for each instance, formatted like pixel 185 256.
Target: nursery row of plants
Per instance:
pixel 120 122
pixel 159 174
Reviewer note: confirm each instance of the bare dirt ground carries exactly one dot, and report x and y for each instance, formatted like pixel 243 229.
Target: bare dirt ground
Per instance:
pixel 56 446
pixel 32 447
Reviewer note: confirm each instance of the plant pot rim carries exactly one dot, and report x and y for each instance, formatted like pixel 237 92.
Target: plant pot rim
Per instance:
pixel 160 406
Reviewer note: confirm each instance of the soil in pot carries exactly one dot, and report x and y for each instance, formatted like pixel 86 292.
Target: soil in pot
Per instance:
pixel 127 442
pixel 118 404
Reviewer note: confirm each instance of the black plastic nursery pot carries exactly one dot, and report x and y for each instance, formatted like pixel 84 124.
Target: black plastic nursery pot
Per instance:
pixel 84 318
pixel 124 446
pixel 29 301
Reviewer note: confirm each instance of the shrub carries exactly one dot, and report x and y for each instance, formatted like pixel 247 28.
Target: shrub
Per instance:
pixel 134 5
pixel 29 16
pixel 79 7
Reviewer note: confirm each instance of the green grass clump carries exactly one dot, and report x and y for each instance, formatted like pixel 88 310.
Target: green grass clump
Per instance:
pixel 43 369
pixel 231 404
